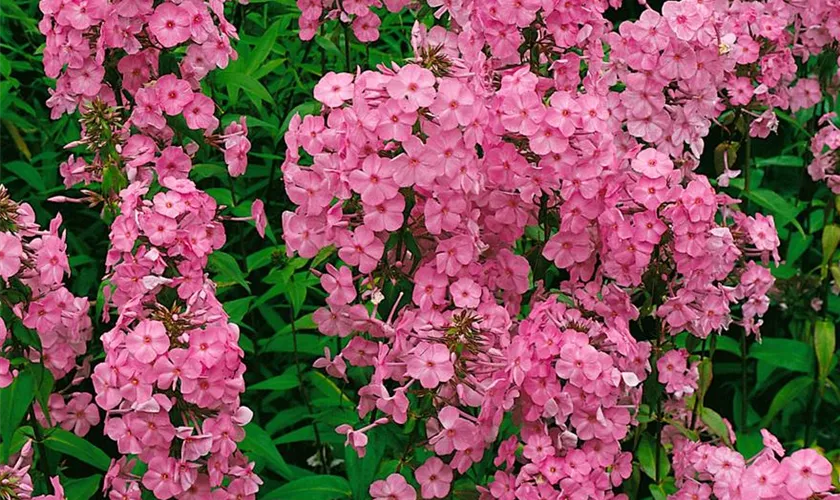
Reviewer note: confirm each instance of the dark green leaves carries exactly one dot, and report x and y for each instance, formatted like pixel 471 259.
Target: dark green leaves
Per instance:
pixel 81 489
pixel 258 444
pixel 784 353
pixel 226 269
pixel 72 445
pixel 791 391
pixel 647 455
pixel 14 403
pixel 825 341
pixel 312 488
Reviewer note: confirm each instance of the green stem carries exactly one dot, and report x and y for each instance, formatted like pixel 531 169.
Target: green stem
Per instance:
pixel 747 161
pixel 43 461
pixel 743 420
pixel 346 49
pixel 305 395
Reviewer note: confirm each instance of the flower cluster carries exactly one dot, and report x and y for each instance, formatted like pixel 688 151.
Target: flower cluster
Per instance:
pixel 33 267
pixel 674 372
pixel 358 13
pixel 825 146
pixel 173 372
pixel 514 136
pixel 83 37
pixel 703 470
pixel 15 481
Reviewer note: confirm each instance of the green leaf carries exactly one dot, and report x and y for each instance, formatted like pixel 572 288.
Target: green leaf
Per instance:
pixel 312 488
pixel 262 258
pixel 830 239
pixel 781 161
pixel 252 87
pixel 798 244
pixel 227 270
pixel 646 454
pixel 789 354
pixel 238 308
pixel 288 380
pixel 825 341
pixel 327 387
pixel 296 293
pixel 783 212
pixel 44 383
pixel 715 423
pixel 263 48
pixel 258 443
pixel 14 403
pixel 72 445
pixel 81 489
pixel 27 173
pixel 791 391
pixel 222 196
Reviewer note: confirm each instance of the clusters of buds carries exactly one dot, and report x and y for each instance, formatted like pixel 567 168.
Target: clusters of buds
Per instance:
pixel 33 267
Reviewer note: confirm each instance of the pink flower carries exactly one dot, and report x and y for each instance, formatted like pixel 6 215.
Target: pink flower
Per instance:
pixel 453 104
pixel 174 94
pixel 51 260
pixel 374 181
pixel 334 89
pixel 465 293
pixel 413 86
pixel 457 433
pixel 11 253
pixel 147 341
pixel 161 477
pixel 160 229
pixel 567 249
pixel 80 414
pixel 434 477
pixel 355 438
pixel 339 284
pixel 6 374
pixel 170 24
pixel 430 364
pixel 199 113
pixel 683 17
pixel 174 162
pixel 363 249
pixel 57 488
pixel 807 473
pixel 258 214
pixel 394 487
pixel 651 163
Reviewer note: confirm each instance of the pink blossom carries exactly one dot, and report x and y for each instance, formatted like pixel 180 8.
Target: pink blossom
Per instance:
pixel 434 477
pixel 394 487
pixel 170 24
pixel 10 255
pixel 431 365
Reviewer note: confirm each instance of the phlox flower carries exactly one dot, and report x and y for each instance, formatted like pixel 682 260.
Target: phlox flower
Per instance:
pixel 147 341
pixel 434 477
pixel 394 487
pixel 430 364
pixel 170 24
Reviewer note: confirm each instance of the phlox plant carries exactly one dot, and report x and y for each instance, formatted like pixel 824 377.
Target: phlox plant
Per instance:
pixel 526 265
pixel 168 386
pixel 521 233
